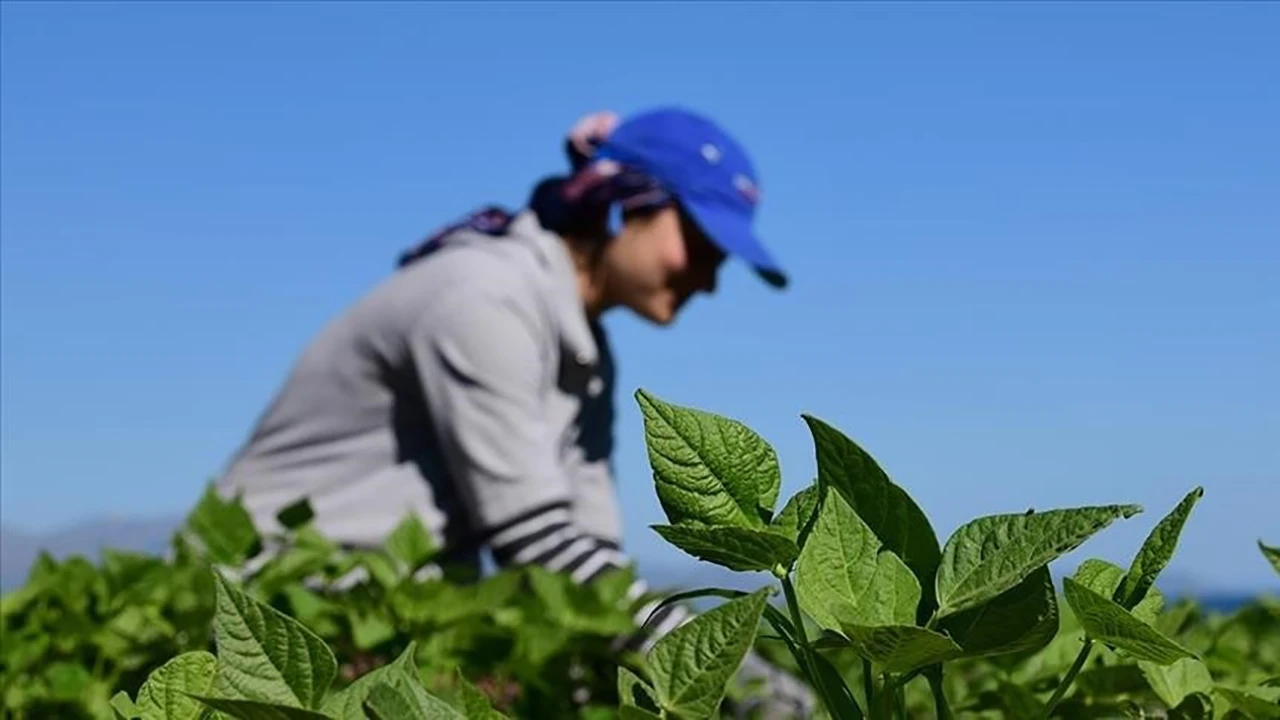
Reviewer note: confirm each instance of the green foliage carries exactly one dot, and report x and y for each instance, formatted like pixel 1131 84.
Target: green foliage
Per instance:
pixel 979 618
pixel 80 640
pixel 875 615
pixel 692 665
pixel 736 548
pixel 846 577
pixel 1271 554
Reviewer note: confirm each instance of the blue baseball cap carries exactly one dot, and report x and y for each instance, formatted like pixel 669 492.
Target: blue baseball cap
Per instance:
pixel 706 170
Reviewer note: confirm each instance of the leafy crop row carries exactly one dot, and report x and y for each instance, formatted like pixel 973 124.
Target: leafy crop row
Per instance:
pixel 880 617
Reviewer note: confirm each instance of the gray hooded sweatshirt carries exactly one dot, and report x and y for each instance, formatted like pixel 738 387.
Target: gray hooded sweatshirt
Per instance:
pixel 470 389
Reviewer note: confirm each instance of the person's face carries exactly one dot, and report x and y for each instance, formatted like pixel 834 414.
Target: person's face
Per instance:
pixel 657 262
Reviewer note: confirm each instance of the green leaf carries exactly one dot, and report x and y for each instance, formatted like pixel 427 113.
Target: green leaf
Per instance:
pixel 1019 702
pixel 296 515
pixel 693 664
pixel 474 703
pixel 166 695
pixel 1197 706
pixel 1271 554
pixel 410 543
pixel 1023 619
pixel 568 605
pixel 886 508
pixel 407 702
pixel 1173 683
pixel 1107 622
pixel 265 655
pixel 707 468
pixel 347 703
pixel 257 710
pixel 1255 703
pixel 845 577
pixel 736 548
pixel 1156 552
pixel 901 648
pixel 987 556
pixel 123 706
pixel 379 566
pixel 634 692
pixel 66 681
pixel 798 510
pixel 840 698
pixel 1105 579
pixel 631 712
pixel 369 629
pixel 224 529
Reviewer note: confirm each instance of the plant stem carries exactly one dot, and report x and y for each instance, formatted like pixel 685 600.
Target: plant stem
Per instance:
pixel 802 639
pixel 942 709
pixel 1069 678
pixel 869 681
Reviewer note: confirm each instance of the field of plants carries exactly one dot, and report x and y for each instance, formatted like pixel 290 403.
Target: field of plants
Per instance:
pixel 882 617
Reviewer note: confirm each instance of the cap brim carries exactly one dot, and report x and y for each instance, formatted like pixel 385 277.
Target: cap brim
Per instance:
pixel 728 231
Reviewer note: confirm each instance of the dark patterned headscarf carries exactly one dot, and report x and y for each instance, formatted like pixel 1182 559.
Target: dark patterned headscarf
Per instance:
pixel 577 205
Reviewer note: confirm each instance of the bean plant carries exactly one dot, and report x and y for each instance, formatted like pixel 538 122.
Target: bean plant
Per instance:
pixel 862 601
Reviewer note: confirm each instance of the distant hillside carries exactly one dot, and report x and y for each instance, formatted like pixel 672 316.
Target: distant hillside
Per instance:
pixel 19 548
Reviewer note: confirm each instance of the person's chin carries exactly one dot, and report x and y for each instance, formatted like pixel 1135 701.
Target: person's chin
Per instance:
pixel 663 314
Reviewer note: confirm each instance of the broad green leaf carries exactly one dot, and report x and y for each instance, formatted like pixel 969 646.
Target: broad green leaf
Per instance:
pixel 379 566
pixel 1156 552
pixel 346 704
pixel 123 706
pixel 634 692
pixel 1173 683
pixel 798 510
pixel 442 603
pixel 265 655
pixel 410 543
pixel 1196 706
pixel 166 695
pixel 1105 579
pixel 1018 701
pixel 296 515
pixel 474 703
pixel 407 702
pixel 886 508
pixel 844 576
pixel 736 548
pixel 1272 555
pixel 1107 622
pixel 66 681
pixel 1259 703
pixel 369 629
pixel 987 556
pixel 1022 619
pixel 901 648
pixel 1111 677
pixel 258 710
pixel 567 604
pixel 693 664
pixel 224 528
pixel 707 468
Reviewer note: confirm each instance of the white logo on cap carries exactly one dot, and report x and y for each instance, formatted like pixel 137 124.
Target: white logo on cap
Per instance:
pixel 711 153
pixel 746 187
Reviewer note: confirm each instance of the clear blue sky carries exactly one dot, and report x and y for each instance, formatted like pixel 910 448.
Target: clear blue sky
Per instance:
pixel 1035 247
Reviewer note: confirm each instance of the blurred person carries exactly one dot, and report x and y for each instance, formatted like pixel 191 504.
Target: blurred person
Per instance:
pixel 474 387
